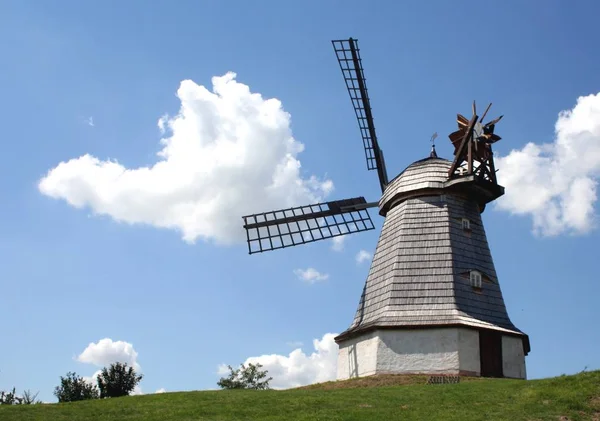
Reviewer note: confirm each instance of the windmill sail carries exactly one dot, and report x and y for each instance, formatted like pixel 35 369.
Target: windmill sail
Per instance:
pixel 306 224
pixel 348 56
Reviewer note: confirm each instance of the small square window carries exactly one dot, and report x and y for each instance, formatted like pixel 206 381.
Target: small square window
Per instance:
pixel 475 277
pixel 466 224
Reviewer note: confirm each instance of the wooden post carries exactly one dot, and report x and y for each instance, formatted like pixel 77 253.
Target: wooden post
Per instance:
pixel 470 156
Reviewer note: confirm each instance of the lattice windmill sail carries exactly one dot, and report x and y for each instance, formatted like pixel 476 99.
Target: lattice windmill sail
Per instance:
pixel 306 224
pixel 432 301
pixel 348 55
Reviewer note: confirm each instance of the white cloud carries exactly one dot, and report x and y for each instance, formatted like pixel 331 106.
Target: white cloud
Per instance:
pixel 230 152
pixel 297 368
pixel 555 183
pixel 161 390
pixel 222 370
pixel 106 351
pixel 338 243
pixel 362 256
pixel 90 121
pixel 93 379
pixel 163 121
pixel 310 275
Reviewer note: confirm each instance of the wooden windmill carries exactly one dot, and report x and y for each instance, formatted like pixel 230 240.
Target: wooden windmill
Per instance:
pixel 431 302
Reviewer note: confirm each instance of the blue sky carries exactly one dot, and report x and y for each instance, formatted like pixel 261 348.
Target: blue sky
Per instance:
pixel 71 277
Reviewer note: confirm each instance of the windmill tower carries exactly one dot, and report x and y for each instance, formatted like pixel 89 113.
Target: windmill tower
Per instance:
pixel 432 302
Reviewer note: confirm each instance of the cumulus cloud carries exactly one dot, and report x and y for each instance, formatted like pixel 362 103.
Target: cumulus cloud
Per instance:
pixel 161 390
pixel 299 369
pixel 93 379
pixel 310 275
pixel 362 256
pixel 223 370
pixel 106 352
pixel 556 183
pixel 228 152
pixel 337 243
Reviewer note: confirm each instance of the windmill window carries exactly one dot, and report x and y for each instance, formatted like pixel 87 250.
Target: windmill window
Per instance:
pixel 475 277
pixel 466 224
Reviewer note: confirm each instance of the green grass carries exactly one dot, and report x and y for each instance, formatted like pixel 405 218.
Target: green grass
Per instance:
pixel 379 398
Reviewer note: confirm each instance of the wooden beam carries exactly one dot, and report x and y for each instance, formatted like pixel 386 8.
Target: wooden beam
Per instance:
pixel 492 167
pixel 470 158
pixel 461 150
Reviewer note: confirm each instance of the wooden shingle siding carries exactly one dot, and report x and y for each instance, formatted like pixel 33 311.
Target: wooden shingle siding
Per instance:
pixel 419 275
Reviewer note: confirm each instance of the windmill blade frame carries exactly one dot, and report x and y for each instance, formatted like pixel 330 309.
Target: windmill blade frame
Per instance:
pixel 473 147
pixel 306 224
pixel 348 56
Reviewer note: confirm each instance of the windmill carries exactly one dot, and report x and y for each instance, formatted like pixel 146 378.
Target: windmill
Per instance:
pixel 431 302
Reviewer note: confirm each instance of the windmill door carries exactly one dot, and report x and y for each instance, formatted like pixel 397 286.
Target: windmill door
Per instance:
pixel 490 352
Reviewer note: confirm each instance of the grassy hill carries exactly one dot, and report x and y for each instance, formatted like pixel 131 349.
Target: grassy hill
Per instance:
pixel 386 398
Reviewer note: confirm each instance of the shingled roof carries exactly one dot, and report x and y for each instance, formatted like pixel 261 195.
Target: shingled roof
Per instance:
pixel 420 271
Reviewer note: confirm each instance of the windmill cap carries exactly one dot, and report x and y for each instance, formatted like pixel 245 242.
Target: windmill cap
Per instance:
pixel 430 176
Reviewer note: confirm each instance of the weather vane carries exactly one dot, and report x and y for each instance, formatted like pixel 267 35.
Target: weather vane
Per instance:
pixel 433 154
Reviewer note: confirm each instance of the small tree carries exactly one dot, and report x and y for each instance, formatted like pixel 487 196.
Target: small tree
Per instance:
pixel 9 398
pixel 250 377
pixel 74 388
pixel 30 398
pixel 117 380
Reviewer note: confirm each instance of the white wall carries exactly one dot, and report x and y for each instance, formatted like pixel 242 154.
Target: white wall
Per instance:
pixel 468 352
pixel 357 356
pixel 407 351
pixel 431 351
pixel 513 357
pixel 418 351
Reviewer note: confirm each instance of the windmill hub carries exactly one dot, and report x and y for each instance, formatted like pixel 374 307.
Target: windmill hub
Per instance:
pixel 432 301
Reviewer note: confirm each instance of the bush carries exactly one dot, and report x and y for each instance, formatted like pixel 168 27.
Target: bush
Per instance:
pixel 11 398
pixel 245 378
pixel 29 398
pixel 74 388
pixel 117 380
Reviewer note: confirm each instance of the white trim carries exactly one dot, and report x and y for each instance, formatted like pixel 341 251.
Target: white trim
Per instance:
pixel 466 224
pixel 476 278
